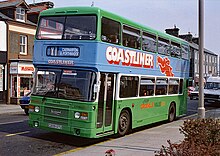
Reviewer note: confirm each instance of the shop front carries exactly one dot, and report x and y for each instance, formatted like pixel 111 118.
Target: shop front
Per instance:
pixel 21 80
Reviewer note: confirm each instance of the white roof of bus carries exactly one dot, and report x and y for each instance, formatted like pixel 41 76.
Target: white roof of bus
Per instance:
pixel 213 79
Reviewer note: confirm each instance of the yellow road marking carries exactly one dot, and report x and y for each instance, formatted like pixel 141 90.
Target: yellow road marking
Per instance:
pixel 81 148
pixel 70 151
pixel 17 133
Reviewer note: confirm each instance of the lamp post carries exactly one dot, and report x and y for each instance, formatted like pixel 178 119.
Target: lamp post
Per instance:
pixel 201 109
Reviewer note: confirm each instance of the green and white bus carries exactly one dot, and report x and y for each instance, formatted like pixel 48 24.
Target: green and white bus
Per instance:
pixel 99 74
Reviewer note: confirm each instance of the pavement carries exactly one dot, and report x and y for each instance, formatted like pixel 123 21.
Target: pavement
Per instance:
pixel 10 108
pixel 142 142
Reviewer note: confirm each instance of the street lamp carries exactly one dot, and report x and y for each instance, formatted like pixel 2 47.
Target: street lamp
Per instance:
pixel 201 109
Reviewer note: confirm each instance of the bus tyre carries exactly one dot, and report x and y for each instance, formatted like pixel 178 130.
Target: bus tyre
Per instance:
pixel 172 112
pixel 124 123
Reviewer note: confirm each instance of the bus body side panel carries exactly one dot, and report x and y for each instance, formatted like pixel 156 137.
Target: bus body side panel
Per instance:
pixel 145 111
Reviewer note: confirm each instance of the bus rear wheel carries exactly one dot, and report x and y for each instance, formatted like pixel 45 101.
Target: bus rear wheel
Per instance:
pixel 172 112
pixel 124 123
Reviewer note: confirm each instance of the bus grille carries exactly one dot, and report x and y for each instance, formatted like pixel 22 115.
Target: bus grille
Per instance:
pixel 57 114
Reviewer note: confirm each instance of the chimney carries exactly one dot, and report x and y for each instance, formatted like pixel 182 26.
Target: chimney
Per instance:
pixel 195 40
pixel 173 31
pixel 188 37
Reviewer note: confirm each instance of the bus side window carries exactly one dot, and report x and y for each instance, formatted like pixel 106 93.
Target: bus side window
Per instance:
pixel 110 31
pixel 163 46
pixel 185 52
pixel 181 86
pixel 147 86
pixel 128 86
pixel 149 42
pixel 173 86
pixel 175 50
pixel 131 37
pixel 161 86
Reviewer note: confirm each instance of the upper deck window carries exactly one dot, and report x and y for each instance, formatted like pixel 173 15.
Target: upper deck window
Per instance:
pixel 175 49
pixel 185 52
pixel 149 42
pixel 67 27
pixel 163 46
pixel 110 31
pixel 131 37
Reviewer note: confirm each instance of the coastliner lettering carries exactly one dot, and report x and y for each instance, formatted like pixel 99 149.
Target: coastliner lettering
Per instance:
pixel 129 58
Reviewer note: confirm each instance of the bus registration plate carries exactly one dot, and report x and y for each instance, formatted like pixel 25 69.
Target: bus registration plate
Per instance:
pixel 56 126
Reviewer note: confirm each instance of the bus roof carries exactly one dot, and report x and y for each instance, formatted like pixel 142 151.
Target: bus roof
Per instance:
pixel 100 12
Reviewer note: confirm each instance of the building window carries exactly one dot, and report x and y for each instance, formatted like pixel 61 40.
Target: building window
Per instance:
pixel 20 14
pixel 23 45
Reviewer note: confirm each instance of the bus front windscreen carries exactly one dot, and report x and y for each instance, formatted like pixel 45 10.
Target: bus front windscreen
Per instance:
pixel 80 27
pixel 65 84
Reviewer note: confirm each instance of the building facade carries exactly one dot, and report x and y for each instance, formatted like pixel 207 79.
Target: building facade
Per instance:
pixel 210 59
pixel 18 25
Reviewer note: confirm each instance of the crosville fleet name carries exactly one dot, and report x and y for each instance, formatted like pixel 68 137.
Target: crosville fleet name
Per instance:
pixel 129 58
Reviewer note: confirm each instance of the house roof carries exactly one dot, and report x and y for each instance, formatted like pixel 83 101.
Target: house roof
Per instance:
pixel 13 3
pixel 38 7
pixel 4 16
pixel 196 46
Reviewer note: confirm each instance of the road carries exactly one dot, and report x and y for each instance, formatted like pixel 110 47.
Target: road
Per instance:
pixel 18 139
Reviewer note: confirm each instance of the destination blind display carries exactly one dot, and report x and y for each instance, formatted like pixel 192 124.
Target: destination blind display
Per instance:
pixel 63 51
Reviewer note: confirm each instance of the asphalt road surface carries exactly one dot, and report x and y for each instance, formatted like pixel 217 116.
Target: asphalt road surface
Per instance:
pixel 18 139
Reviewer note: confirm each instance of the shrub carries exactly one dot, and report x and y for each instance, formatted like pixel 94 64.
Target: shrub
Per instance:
pixel 201 138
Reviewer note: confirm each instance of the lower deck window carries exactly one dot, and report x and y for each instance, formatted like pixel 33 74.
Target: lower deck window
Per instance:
pixel 128 86
pixel 161 87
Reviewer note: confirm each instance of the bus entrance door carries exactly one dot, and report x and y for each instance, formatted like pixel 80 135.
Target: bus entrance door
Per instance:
pixel 106 103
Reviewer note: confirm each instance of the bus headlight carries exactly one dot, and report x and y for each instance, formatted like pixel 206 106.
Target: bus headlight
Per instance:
pixel 37 109
pixel 81 115
pixel 77 115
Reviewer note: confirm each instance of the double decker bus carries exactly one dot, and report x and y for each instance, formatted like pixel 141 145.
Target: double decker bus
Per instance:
pixel 99 74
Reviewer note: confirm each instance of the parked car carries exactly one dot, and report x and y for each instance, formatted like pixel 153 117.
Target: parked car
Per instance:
pixel 24 102
pixel 194 94
pixel 190 89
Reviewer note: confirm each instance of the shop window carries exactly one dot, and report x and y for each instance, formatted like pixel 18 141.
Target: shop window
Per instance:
pixel 25 85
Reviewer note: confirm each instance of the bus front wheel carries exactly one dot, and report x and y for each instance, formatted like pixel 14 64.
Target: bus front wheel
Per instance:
pixel 172 112
pixel 124 123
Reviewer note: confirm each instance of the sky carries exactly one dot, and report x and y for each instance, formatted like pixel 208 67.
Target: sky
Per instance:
pixel 162 14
